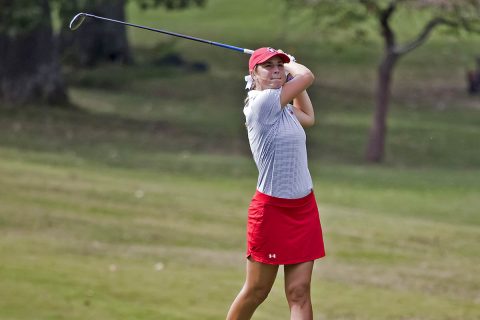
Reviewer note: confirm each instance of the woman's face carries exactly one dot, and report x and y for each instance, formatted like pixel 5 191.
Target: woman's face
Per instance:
pixel 269 74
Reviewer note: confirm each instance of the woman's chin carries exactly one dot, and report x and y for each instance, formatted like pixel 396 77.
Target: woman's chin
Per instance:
pixel 276 85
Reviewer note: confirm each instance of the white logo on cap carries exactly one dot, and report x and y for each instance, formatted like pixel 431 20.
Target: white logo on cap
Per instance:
pixel 272 255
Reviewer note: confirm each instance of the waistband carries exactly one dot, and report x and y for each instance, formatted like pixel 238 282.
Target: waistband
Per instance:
pixel 283 202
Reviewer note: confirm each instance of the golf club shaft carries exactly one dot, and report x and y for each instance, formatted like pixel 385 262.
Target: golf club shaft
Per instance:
pixel 218 44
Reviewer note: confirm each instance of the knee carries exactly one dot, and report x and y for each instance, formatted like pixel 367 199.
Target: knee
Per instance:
pixel 257 293
pixel 298 294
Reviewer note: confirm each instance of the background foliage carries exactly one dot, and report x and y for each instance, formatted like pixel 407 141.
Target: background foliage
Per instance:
pixel 132 205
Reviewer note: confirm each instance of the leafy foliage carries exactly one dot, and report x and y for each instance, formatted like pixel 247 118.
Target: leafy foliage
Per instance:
pixel 345 14
pixel 19 16
pixel 169 4
pixel 68 8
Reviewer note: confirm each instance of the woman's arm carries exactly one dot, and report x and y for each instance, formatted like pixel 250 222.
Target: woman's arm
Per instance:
pixel 302 79
pixel 303 109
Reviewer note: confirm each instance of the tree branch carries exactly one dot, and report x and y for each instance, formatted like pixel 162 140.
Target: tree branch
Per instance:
pixel 384 18
pixel 423 36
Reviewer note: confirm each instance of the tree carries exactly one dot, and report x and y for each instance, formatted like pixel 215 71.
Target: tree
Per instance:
pixel 30 71
pixel 94 42
pixel 98 41
pixel 29 65
pixel 456 14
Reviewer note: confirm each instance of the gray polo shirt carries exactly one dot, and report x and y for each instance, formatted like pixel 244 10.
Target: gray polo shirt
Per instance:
pixel 278 144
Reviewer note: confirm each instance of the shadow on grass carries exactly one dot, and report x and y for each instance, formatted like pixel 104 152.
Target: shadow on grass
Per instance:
pixel 108 139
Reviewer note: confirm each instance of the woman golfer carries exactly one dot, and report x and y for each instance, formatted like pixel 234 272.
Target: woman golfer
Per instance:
pixel 283 225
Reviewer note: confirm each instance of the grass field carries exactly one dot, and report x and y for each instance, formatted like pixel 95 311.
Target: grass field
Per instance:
pixel 85 240
pixel 133 206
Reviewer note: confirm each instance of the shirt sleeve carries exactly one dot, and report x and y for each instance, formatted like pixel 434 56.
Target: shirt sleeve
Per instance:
pixel 266 108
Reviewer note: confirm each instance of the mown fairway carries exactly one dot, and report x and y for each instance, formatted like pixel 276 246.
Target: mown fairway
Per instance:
pixel 134 205
pixel 81 240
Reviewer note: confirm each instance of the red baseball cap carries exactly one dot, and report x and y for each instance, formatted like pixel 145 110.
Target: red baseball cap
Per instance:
pixel 263 54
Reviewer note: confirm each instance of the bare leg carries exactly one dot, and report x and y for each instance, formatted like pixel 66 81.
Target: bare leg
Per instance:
pixel 259 281
pixel 297 289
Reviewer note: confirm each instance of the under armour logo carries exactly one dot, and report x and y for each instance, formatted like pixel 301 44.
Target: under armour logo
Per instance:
pixel 272 256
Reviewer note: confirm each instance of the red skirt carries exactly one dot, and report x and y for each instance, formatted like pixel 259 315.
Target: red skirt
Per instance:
pixel 284 231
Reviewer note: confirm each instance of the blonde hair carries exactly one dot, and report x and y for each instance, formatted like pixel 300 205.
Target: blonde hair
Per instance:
pixel 251 88
pixel 247 98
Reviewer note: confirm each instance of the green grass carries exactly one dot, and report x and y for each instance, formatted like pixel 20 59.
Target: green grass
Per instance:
pixel 400 243
pixel 133 206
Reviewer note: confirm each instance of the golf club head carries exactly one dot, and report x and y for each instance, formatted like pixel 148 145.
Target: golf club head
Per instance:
pixel 77 21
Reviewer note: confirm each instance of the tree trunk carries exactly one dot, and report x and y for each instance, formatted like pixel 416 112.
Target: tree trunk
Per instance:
pixel 97 41
pixel 29 65
pixel 378 130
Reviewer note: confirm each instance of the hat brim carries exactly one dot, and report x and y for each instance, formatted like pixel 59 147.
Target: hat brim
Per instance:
pixel 268 55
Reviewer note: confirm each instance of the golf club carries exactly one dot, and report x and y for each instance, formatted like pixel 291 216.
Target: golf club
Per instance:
pixel 79 18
